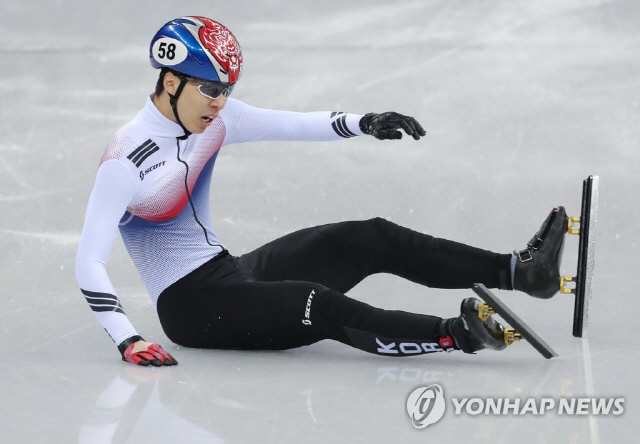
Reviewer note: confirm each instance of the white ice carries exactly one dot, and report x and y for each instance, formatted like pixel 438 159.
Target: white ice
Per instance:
pixel 522 100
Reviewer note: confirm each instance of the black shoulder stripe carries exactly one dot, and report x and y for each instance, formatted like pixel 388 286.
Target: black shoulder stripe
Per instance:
pixel 137 150
pixel 336 113
pixel 102 301
pixel 141 153
pixel 147 154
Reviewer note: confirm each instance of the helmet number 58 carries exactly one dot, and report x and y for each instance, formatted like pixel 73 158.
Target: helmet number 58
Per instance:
pixel 168 51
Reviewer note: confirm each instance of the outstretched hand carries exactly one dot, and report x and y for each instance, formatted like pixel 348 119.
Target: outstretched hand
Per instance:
pixel 387 125
pixel 146 353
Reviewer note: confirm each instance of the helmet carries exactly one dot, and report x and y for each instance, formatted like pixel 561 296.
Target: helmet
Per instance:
pixel 198 47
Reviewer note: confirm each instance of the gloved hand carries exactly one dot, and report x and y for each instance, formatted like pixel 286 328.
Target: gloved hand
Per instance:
pixel 386 125
pixel 140 352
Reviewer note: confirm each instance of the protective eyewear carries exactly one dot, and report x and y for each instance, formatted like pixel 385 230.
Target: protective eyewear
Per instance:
pixel 213 90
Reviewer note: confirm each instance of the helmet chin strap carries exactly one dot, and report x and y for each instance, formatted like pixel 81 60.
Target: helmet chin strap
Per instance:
pixel 173 100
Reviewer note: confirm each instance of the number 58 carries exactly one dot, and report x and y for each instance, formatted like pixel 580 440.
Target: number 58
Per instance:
pixel 167 50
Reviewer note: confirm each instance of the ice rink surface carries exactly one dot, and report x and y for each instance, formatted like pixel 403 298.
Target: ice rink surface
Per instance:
pixel 521 101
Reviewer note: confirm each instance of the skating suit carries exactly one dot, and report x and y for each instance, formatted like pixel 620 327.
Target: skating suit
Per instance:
pixel 154 187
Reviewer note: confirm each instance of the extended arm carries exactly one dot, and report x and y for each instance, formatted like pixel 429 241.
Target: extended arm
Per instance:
pixel 246 123
pixel 111 194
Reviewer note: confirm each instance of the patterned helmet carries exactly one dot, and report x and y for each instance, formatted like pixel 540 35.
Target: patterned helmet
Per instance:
pixel 198 47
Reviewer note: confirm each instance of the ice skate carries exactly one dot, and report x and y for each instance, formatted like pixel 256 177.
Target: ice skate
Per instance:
pixel 475 329
pixel 493 304
pixel 537 270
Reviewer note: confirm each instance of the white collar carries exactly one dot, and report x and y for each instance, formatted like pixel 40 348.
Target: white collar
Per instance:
pixel 157 123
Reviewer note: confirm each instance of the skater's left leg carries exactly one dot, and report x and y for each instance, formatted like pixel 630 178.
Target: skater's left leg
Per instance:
pixel 341 255
pixel 205 311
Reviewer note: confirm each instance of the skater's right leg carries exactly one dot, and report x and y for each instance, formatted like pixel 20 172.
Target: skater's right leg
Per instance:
pixel 340 255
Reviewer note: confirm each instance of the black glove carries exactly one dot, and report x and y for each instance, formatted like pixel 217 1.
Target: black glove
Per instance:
pixel 386 125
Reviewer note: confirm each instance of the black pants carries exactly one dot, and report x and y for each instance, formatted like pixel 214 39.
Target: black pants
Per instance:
pixel 290 292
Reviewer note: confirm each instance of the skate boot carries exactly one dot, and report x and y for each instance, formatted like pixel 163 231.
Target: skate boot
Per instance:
pixel 475 329
pixel 537 270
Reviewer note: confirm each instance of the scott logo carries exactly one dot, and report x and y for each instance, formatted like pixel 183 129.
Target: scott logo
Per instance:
pixel 307 310
pixel 425 406
pixel 151 168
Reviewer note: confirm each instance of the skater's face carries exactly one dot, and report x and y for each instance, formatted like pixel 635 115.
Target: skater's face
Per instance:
pixel 196 107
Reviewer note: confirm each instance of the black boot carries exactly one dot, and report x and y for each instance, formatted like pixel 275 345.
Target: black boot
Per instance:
pixel 537 270
pixel 470 333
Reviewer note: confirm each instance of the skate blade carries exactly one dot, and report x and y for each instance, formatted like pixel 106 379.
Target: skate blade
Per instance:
pixel 581 285
pixel 524 331
pixel 586 250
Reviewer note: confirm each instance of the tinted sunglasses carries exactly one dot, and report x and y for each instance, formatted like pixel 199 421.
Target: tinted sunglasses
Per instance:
pixel 215 90
pixel 212 90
